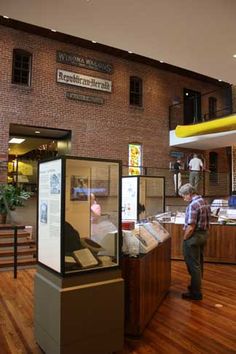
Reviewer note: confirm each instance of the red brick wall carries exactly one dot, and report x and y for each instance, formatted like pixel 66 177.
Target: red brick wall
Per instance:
pixel 97 131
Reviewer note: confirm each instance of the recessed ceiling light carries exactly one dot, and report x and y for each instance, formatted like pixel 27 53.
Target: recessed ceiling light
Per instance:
pixel 234 55
pixel 16 141
pixel 5 17
pixel 37 132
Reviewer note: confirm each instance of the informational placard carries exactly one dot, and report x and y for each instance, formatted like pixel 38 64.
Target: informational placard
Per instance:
pixel 49 214
pixel 129 198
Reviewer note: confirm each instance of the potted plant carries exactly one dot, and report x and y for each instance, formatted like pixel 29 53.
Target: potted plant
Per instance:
pixel 10 198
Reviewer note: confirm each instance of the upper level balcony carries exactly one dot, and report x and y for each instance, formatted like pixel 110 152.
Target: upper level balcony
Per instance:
pixel 196 108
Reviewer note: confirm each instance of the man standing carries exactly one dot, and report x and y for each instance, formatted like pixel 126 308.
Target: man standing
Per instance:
pixel 196 227
pixel 195 166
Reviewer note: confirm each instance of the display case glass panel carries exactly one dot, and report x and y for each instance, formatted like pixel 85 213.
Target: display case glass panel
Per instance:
pixel 142 197
pixel 88 225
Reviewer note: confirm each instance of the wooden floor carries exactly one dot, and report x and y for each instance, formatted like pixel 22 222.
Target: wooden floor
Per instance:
pixel 179 326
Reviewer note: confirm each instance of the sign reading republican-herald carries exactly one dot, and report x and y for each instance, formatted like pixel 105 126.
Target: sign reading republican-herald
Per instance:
pixel 94 83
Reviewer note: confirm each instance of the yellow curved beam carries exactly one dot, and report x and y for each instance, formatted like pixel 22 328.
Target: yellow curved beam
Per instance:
pixel 213 126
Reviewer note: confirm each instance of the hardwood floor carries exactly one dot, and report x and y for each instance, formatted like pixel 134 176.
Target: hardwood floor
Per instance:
pixel 179 326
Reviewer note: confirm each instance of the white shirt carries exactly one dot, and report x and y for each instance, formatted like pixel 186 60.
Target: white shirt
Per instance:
pixel 195 164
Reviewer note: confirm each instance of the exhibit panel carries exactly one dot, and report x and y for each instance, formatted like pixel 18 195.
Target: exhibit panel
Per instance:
pixel 78 219
pixel 49 214
pixel 142 197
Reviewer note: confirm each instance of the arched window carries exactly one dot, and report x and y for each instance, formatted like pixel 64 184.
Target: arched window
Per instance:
pixel 136 91
pixel 21 67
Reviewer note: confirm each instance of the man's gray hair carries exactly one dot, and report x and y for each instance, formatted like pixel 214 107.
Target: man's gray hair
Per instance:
pixel 187 189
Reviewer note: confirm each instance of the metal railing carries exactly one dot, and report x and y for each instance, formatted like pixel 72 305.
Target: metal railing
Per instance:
pixel 15 228
pixel 211 184
pixel 225 101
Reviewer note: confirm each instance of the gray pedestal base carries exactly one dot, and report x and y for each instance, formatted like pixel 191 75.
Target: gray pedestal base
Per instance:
pixel 82 314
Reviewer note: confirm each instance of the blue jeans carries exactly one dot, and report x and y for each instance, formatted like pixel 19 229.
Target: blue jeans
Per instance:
pixel 193 249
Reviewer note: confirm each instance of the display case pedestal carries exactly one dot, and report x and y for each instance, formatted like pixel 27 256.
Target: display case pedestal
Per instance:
pixel 147 281
pixel 79 314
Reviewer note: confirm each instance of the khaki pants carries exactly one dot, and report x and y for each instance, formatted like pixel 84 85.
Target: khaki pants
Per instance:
pixel 177 181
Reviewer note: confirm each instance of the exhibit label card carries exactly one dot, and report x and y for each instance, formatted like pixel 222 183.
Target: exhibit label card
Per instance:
pixel 129 198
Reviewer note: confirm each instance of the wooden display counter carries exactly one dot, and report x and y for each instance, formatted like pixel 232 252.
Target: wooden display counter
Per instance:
pixel 221 243
pixel 147 281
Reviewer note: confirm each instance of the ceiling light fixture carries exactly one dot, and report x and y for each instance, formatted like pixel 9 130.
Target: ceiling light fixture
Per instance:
pixel 219 80
pixel 5 17
pixel 53 30
pixel 16 141
pixel 130 52
pixel 37 132
pixel 94 42
pixel 234 55
pixel 161 61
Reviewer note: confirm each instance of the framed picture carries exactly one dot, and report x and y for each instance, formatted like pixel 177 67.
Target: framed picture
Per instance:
pixel 44 212
pixel 79 188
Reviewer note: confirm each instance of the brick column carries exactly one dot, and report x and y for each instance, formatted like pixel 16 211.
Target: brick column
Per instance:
pixel 234 167
pixel 3 168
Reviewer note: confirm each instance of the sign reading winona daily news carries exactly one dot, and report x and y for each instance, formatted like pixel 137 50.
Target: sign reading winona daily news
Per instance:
pixel 84 62
pixel 94 83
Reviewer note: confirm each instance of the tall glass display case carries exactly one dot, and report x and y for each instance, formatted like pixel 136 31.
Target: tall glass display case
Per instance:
pixel 79 235
pixel 142 196
pixel 78 214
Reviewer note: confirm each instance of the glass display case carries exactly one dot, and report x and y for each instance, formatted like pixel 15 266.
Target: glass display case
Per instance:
pixel 78 214
pixel 142 197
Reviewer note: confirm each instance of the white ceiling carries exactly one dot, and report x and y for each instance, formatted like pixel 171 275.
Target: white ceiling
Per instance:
pixel 198 35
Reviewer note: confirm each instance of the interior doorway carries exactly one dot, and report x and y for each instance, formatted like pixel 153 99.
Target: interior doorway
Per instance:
pixel 192 107
pixel 30 144
pixel 27 146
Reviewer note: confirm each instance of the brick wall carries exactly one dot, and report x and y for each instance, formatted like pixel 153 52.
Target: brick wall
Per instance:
pixel 97 130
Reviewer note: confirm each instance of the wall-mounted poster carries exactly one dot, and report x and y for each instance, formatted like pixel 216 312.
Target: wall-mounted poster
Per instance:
pixel 79 188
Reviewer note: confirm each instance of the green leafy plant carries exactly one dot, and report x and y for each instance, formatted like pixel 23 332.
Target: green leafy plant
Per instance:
pixel 11 197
